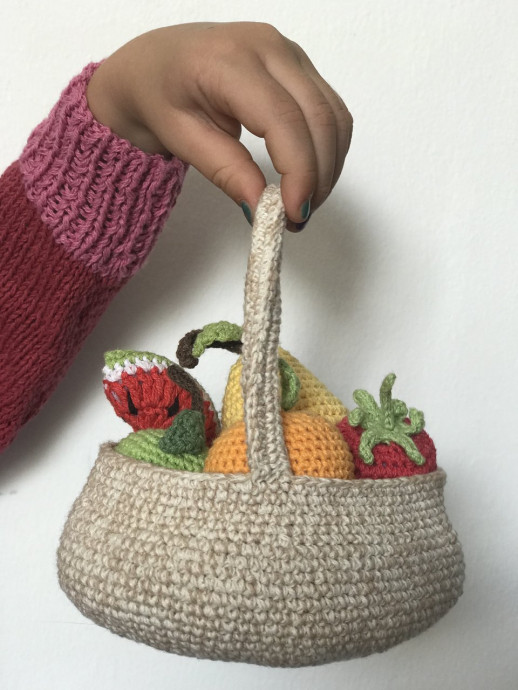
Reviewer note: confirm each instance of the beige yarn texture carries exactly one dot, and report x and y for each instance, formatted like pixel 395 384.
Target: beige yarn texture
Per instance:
pixel 266 568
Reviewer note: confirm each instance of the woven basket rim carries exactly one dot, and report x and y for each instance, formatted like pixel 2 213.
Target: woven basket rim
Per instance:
pixel 107 452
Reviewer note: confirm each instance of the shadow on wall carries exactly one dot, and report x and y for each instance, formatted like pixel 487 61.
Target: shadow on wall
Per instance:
pixel 198 236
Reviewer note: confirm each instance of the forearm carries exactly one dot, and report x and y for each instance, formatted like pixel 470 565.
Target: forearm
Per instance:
pixel 79 214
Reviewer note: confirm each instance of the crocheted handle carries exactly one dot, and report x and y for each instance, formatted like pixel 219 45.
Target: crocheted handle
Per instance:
pixel 266 450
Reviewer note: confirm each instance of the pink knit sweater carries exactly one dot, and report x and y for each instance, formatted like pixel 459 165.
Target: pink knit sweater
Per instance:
pixel 79 213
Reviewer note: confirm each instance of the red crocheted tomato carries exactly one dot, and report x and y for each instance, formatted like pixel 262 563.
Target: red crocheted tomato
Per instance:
pixel 384 441
pixel 390 460
pixel 150 397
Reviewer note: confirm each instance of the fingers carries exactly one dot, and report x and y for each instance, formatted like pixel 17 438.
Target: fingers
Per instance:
pixel 306 126
pixel 218 155
pixel 343 118
pixel 321 123
pixel 345 130
pixel 266 83
pixel 269 111
pixel 342 130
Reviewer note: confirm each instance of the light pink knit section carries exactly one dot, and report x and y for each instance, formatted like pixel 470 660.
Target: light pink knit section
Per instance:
pixel 104 200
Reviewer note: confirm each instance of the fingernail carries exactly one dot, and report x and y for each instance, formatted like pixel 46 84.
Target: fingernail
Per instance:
pixel 301 226
pixel 247 211
pixel 305 210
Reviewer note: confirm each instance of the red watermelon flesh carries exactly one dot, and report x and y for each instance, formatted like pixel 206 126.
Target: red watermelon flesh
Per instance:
pixel 151 400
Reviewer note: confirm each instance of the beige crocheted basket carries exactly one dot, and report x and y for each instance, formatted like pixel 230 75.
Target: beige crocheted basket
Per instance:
pixel 267 567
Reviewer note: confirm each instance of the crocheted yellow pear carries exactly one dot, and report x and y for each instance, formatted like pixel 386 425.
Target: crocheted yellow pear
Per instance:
pixel 313 396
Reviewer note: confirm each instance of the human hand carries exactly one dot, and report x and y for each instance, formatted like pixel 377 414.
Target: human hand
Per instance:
pixel 188 90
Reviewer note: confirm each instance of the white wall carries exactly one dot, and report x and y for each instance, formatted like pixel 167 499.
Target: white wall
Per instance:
pixel 410 266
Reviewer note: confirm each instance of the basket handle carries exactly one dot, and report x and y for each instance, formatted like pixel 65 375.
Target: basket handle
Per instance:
pixel 266 450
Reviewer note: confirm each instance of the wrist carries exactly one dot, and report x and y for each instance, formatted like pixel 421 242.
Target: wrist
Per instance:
pixel 109 106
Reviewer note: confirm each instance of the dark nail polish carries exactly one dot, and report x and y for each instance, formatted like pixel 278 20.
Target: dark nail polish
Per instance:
pixel 247 211
pixel 305 210
pixel 300 226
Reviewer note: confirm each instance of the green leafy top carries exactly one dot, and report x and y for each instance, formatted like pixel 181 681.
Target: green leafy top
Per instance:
pixel 385 423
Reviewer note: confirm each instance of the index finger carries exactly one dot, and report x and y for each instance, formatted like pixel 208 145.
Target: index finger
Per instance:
pixel 269 111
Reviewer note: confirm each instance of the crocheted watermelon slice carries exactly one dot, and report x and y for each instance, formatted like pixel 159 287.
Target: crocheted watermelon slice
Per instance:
pixel 148 391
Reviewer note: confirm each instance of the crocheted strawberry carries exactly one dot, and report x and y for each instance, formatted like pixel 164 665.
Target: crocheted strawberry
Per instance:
pixel 387 440
pixel 148 391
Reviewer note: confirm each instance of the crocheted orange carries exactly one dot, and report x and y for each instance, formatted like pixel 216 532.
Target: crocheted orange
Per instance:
pixel 315 447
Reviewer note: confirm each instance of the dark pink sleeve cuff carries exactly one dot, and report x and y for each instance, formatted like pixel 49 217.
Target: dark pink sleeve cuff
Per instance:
pixel 103 199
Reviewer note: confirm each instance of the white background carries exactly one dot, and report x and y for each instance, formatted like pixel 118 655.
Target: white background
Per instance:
pixel 409 267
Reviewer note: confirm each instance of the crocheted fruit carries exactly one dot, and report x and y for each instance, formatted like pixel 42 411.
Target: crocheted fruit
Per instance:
pixel 180 447
pixel 220 334
pixel 148 391
pixel 313 396
pixel 315 448
pixel 387 440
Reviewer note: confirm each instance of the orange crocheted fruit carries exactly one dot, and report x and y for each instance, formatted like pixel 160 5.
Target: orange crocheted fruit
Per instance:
pixel 315 447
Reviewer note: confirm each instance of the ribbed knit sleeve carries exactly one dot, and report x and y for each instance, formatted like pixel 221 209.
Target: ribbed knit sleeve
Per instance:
pixel 79 214
pixel 103 199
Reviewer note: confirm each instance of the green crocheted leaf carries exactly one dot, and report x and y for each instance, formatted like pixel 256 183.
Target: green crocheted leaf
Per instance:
pixel 221 331
pixel 411 450
pixel 399 409
pixel 386 390
pixel 185 435
pixel 365 402
pixel 416 421
pixel 290 385
pixel 355 417
pixel 143 445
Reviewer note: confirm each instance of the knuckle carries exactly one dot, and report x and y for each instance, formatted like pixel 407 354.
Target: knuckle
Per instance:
pixel 222 177
pixel 287 113
pixel 323 115
pixel 269 31
pixel 296 47
pixel 322 193
pixel 345 119
pixel 223 53
pixel 227 177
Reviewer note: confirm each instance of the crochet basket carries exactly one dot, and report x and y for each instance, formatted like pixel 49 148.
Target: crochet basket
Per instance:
pixel 265 567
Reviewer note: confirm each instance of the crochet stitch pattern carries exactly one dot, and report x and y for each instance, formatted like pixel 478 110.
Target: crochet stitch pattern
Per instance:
pixel 221 335
pixel 386 422
pixel 313 395
pixel 262 567
pixel 384 441
pixel 144 445
pixel 223 332
pixel 185 435
pixel 315 448
pixel 148 391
